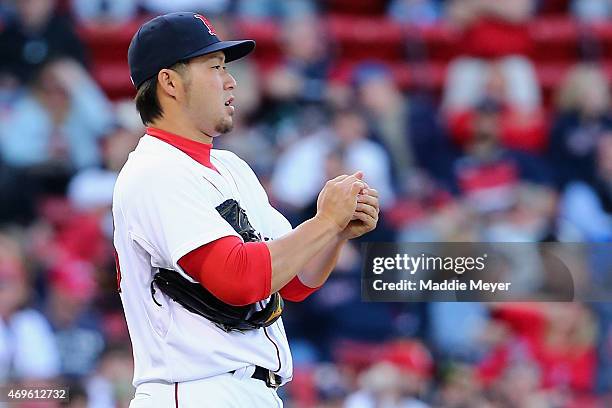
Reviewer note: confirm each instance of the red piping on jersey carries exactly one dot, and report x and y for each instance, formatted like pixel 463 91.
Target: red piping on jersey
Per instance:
pixel 198 151
pixel 280 365
pixel 274 343
pixel 176 395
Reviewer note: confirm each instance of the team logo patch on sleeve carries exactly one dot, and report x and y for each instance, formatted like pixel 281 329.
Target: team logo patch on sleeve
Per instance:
pixel 211 29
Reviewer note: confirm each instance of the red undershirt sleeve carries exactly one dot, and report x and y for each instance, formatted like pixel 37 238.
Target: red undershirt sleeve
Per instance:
pixel 296 291
pixel 235 272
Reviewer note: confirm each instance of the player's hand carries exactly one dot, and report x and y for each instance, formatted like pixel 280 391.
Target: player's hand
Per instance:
pixel 365 217
pixel 337 202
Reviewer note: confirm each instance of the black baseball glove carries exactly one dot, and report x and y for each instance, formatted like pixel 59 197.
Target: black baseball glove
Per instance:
pixel 195 298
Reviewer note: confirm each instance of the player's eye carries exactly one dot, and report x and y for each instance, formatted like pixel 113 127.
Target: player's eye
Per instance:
pixel 218 67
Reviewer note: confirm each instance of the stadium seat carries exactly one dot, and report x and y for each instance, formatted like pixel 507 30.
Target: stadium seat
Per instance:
pixel 551 7
pixel 554 38
pixel 114 78
pixel 355 7
pixel 418 56
pixel 267 34
pixel 108 42
pixel 366 37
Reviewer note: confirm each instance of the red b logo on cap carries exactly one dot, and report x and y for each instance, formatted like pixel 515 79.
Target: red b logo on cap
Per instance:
pixel 211 29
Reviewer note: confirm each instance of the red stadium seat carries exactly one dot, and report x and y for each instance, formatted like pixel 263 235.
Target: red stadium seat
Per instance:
pixel 551 75
pixel 267 34
pixel 555 39
pixel 108 45
pixel 441 41
pixel 356 7
pixel 366 37
pixel 425 75
pixel 357 354
pixel 114 78
pixel 358 38
pixel 108 42
pixel 547 7
pixel 602 32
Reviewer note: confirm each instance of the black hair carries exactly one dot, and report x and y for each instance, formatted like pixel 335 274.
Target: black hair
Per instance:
pixel 146 99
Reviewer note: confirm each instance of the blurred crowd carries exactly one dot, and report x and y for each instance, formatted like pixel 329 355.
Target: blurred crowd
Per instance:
pixel 489 156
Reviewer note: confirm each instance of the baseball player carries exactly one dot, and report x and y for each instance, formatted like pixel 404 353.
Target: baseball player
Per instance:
pixel 203 260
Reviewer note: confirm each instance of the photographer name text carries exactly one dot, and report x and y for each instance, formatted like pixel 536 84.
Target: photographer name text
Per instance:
pixel 448 285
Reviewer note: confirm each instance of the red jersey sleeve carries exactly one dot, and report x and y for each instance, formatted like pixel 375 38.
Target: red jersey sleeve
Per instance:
pixel 235 272
pixel 296 291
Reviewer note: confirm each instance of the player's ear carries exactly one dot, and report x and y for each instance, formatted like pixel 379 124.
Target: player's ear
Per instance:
pixel 170 82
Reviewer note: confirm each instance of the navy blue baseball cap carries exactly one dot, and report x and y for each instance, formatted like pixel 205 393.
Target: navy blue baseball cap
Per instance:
pixel 168 39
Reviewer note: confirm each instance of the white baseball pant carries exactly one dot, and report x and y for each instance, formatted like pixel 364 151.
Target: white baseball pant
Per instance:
pixel 231 390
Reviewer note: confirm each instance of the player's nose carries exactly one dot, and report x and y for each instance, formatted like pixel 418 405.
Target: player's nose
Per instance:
pixel 230 81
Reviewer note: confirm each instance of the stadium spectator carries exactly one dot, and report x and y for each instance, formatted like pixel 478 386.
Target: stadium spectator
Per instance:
pixel 250 139
pixel 583 115
pixel 274 9
pixel 27 347
pixel 349 134
pixel 76 326
pixel 210 7
pixel 407 126
pixel 520 386
pixel 559 338
pixel 78 396
pixel 586 208
pixel 111 11
pixel 603 314
pixel 460 388
pixel 110 385
pixel 488 167
pixel 416 366
pixel 431 214
pixel 457 330
pixel 300 78
pixel 590 11
pixel 381 386
pixel 511 83
pixel 492 29
pixel 417 12
pixel 36 35
pixel 16 203
pixel 90 190
pixel 353 320
pixel 6 11
pixel 59 120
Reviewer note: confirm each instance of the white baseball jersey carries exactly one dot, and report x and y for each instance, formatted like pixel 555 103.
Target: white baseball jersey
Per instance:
pixel 163 208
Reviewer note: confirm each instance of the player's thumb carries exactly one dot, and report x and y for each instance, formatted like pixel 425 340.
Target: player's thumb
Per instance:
pixel 358 174
pixel 356 187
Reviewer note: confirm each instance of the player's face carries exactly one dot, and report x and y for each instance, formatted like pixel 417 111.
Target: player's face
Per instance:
pixel 209 94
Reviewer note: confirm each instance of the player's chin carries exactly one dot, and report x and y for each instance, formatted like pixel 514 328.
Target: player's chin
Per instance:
pixel 225 126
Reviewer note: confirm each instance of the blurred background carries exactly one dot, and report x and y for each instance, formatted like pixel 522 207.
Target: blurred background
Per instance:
pixel 476 120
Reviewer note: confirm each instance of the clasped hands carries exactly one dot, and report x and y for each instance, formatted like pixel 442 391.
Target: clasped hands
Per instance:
pixel 350 204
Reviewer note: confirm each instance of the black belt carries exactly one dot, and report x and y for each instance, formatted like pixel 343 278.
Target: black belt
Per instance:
pixel 272 380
